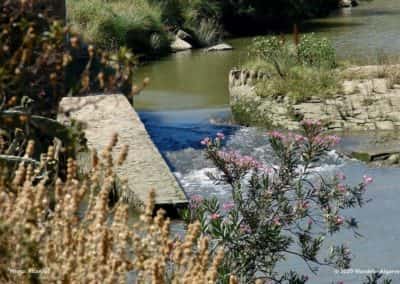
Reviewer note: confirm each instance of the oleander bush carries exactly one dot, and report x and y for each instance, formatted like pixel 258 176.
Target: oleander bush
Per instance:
pixel 278 211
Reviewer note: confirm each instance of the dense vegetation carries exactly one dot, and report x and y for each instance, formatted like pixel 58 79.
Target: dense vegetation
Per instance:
pixel 148 26
pixel 296 70
pixel 38 68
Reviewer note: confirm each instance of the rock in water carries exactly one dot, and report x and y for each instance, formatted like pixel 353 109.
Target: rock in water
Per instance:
pixel 345 3
pixel 180 45
pixel 184 35
pixel 219 47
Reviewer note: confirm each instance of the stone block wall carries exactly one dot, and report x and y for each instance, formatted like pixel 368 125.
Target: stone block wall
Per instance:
pixel 364 104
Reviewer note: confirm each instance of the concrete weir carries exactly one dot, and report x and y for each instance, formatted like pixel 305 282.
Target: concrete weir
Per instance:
pixel 144 168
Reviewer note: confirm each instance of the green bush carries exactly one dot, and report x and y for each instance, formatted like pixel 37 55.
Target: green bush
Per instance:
pixel 297 71
pixel 301 84
pixel 203 21
pixel 316 51
pixel 137 24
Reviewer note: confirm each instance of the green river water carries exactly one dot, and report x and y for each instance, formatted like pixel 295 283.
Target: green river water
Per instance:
pixel 195 79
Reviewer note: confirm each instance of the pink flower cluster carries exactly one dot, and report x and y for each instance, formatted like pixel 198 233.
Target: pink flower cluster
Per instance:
pixel 327 140
pixel 289 138
pixel 206 141
pixel 215 216
pixel 277 135
pixel 311 123
pixel 367 180
pixel 339 220
pixel 233 157
pixel 228 206
pixel 277 221
pixel 220 136
pixel 342 188
pixel 341 176
pixel 195 201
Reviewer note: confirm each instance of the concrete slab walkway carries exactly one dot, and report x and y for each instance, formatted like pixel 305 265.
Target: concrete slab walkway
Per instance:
pixel 144 168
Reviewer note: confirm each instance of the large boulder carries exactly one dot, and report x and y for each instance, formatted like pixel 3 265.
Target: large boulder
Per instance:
pixel 219 47
pixel 184 35
pixel 345 3
pixel 180 45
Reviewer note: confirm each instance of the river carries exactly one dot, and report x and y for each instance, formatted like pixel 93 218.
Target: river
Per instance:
pixel 187 100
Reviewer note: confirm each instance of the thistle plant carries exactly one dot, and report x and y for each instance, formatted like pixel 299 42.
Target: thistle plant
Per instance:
pixel 278 211
pixel 71 234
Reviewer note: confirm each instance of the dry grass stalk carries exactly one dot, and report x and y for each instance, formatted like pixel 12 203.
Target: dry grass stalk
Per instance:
pixel 70 234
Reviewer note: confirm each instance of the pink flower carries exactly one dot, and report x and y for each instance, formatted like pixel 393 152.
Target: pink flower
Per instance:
pixel 277 221
pixel 310 222
pixel 339 220
pixel 220 135
pixel 341 176
pixel 277 135
pixel 299 138
pixel 327 141
pixel 310 122
pixel 195 201
pixel 215 216
pixel 228 206
pixel 341 187
pixel 197 198
pixel 206 141
pixel 367 179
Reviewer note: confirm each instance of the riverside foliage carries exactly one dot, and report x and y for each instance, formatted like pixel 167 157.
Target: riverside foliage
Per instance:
pixel 280 211
pixel 42 61
pixel 299 70
pixel 148 26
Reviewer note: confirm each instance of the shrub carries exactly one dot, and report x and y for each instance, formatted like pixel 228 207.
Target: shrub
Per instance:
pixel 296 71
pixel 39 67
pixel 316 51
pixel 207 32
pixel 203 21
pixel 137 24
pixel 301 84
pixel 311 51
pixel 68 231
pixel 278 211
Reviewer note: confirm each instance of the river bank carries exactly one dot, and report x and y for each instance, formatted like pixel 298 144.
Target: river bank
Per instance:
pixel 368 99
pixel 155 28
